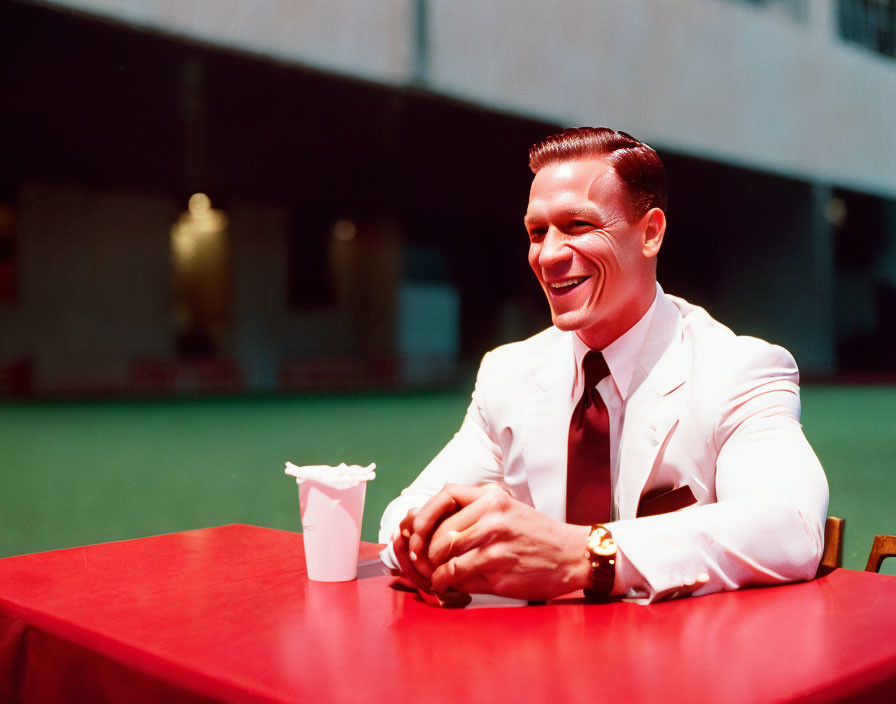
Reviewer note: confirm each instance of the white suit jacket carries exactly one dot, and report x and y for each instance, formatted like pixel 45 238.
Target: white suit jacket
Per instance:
pixel 705 408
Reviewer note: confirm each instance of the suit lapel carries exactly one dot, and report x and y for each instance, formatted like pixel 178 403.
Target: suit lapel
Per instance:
pixel 545 427
pixel 650 417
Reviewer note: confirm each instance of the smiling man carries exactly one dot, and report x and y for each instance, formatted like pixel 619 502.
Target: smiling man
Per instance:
pixel 635 448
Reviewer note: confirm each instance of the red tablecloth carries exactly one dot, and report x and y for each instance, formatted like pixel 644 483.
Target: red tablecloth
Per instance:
pixel 228 613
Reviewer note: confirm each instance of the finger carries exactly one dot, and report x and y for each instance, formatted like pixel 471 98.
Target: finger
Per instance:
pixel 405 562
pixel 410 573
pixel 416 549
pixel 442 547
pixel 431 514
pixel 451 499
pixel 460 574
pixel 457 537
pixel 444 507
pixel 406 527
pixel 465 495
pixel 418 553
pixel 463 531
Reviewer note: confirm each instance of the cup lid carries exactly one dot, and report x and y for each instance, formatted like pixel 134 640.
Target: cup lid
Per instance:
pixel 343 476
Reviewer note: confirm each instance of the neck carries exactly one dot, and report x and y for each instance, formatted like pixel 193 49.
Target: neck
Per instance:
pixel 599 337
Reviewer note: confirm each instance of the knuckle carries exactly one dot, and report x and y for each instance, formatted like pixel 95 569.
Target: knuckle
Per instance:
pixel 417 525
pixel 487 554
pixel 497 501
pixel 493 553
pixel 442 497
pixel 447 494
pixel 489 522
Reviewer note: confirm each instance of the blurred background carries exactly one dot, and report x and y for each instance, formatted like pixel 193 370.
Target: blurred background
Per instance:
pixel 238 232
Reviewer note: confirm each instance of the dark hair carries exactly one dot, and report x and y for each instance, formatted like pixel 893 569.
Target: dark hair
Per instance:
pixel 638 166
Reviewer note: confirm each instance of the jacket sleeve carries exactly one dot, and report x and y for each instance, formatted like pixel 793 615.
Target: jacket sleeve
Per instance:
pixel 471 457
pixel 767 525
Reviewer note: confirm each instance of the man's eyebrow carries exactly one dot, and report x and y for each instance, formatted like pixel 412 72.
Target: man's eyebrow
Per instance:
pixel 582 212
pixel 572 213
pixel 529 218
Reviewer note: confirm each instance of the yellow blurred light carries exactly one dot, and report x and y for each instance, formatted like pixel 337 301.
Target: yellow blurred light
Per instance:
pixel 199 204
pixel 183 240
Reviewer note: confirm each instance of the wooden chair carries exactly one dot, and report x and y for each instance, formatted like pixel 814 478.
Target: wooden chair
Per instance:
pixel 884 546
pixel 832 557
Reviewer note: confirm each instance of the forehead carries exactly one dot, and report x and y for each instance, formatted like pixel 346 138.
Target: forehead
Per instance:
pixel 576 183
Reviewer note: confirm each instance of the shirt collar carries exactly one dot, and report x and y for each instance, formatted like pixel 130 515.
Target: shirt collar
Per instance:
pixel 621 355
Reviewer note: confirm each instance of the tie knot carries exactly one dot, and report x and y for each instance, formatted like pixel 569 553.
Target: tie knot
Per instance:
pixel 595 368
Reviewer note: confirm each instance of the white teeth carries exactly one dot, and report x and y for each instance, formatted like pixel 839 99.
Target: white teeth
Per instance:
pixel 568 282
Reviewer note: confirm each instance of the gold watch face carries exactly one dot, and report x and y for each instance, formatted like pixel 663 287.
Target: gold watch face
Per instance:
pixel 601 543
pixel 606 548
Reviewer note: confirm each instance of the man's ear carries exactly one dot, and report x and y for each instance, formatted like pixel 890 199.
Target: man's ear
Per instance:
pixel 654 228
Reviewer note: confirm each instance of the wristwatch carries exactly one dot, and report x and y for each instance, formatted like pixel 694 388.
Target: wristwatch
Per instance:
pixel 601 553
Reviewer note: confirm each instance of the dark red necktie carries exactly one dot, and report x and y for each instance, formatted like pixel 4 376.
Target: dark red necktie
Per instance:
pixel 588 459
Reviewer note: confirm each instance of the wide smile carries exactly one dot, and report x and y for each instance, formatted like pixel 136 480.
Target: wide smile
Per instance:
pixel 567 286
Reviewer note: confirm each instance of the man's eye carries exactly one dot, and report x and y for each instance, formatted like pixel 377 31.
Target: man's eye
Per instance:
pixel 537 234
pixel 581 226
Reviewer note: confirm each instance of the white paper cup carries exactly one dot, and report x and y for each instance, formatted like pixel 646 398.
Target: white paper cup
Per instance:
pixel 331 529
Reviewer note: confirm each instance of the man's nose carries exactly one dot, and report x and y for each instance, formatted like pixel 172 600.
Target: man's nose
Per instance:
pixel 554 249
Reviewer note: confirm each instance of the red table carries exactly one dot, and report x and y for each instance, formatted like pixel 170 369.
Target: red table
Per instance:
pixel 228 614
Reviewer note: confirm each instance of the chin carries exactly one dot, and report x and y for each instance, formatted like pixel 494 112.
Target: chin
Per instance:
pixel 567 322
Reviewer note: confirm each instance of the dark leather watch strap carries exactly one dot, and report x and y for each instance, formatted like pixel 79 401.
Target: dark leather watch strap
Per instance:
pixel 603 564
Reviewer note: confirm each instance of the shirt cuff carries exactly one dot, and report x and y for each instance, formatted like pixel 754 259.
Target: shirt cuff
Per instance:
pixel 388 557
pixel 629 582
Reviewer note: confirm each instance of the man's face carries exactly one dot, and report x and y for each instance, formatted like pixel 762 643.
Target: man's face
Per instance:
pixel 595 267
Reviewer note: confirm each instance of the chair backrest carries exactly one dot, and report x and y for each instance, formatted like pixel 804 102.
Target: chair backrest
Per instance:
pixel 833 543
pixel 884 546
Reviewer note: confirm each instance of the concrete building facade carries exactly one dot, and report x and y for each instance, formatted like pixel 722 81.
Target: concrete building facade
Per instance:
pixel 775 123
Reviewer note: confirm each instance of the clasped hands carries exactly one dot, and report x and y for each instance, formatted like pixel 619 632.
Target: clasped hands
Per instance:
pixel 480 540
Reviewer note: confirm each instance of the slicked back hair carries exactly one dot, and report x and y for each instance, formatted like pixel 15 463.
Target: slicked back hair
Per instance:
pixel 638 166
